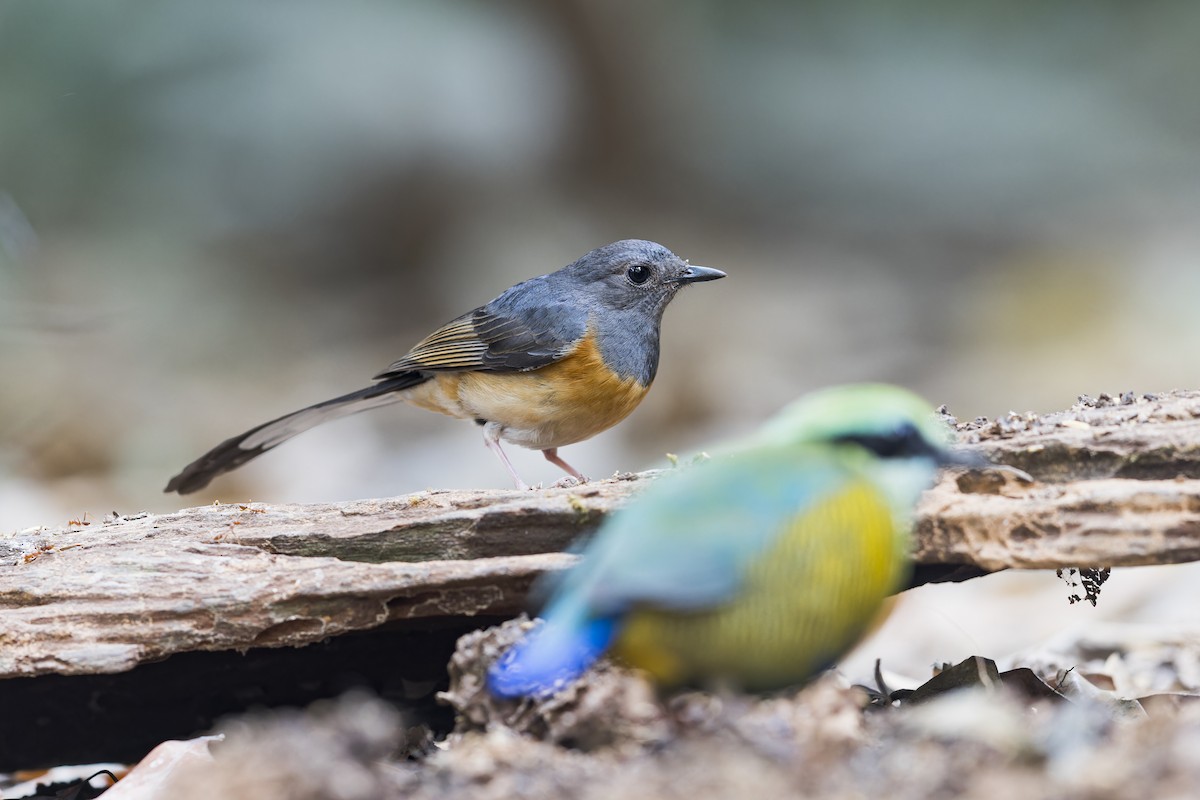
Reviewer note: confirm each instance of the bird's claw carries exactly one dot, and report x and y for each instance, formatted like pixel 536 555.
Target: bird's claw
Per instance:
pixel 568 481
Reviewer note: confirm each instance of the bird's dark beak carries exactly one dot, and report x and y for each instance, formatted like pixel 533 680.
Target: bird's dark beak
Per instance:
pixel 692 274
pixel 956 457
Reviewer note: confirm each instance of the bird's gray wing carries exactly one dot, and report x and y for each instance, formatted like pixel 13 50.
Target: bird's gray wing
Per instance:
pixel 523 329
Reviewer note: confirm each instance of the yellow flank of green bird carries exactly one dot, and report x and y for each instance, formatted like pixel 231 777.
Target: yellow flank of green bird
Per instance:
pixel 779 628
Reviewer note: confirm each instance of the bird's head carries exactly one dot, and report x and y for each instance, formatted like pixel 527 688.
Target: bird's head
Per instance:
pixel 882 421
pixel 888 432
pixel 634 273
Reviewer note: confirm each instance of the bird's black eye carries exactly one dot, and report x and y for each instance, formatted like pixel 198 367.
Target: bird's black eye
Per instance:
pixel 638 274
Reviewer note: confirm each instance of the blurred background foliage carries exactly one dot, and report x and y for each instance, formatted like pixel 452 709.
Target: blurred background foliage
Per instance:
pixel 214 213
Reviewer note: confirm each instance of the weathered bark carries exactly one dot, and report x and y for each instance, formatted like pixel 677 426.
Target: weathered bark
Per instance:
pixel 105 597
pixel 1116 483
pixel 1147 437
pixel 1103 523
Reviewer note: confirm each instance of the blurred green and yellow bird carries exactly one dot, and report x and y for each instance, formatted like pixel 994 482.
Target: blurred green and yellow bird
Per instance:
pixel 757 569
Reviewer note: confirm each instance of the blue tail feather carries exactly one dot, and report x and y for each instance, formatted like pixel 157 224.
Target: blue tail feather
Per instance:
pixel 549 658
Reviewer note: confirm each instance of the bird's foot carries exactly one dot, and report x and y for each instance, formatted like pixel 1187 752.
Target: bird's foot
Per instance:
pixel 569 481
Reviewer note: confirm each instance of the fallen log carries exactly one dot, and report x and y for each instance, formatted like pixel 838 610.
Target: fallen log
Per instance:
pixel 1110 482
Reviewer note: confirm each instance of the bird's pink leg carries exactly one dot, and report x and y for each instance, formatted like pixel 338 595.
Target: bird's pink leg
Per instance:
pixel 491 437
pixel 552 456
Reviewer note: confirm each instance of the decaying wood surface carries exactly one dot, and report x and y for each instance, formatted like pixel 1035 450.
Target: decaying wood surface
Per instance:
pixel 1116 482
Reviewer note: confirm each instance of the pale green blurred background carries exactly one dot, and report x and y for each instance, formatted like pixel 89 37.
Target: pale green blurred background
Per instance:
pixel 215 213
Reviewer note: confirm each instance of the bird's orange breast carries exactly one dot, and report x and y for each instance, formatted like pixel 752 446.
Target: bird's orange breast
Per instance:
pixel 565 402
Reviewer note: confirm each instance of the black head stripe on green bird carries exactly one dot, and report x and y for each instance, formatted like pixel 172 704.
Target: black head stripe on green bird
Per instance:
pixel 552 361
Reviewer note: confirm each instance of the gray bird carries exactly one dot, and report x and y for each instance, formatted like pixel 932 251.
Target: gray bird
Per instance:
pixel 552 361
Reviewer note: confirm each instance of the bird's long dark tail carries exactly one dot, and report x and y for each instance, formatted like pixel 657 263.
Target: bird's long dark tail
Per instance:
pixel 232 453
